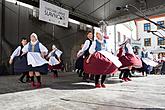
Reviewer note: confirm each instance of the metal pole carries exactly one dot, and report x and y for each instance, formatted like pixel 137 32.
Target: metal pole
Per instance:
pixel 115 37
pixel 2 28
pixel 18 21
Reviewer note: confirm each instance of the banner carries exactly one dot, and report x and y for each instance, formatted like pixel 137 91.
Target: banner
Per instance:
pixel 53 14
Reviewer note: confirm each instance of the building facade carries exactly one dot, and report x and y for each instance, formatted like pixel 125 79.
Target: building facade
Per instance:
pixel 148 40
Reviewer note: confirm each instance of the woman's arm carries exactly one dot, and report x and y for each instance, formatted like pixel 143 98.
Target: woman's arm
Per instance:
pixel 43 49
pixel 84 48
pixel 14 54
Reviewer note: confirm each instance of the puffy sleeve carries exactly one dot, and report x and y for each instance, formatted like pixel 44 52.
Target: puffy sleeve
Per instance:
pixel 16 52
pixel 79 53
pixel 86 45
pixel 59 53
pixel 25 48
pixel 43 48
pixel 92 48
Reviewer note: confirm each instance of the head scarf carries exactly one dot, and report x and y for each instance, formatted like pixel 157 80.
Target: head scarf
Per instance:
pixel 36 37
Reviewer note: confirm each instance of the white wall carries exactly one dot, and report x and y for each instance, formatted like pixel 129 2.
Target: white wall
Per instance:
pixel 124 29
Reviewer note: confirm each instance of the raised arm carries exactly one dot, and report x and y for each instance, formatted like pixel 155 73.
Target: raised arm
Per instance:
pixel 14 54
pixel 84 48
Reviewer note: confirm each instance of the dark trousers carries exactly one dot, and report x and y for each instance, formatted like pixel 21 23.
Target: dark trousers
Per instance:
pixel 97 77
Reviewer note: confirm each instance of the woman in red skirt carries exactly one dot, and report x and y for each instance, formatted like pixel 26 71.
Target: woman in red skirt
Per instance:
pixel 128 59
pixel 55 60
pixel 100 61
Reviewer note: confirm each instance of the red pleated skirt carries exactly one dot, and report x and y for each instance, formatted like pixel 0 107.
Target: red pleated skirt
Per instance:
pixel 99 64
pixel 130 60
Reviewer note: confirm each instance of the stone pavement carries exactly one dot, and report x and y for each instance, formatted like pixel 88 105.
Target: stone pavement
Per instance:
pixel 69 93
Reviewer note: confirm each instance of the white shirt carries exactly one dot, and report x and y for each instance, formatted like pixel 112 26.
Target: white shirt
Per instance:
pixel 84 48
pixel 57 52
pixel 16 52
pixel 42 48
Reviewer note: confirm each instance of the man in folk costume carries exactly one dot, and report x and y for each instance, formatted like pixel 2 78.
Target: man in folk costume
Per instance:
pixel 79 63
pixel 55 60
pixel 20 61
pixel 84 52
pixel 147 60
pixel 101 61
pixel 35 58
pixel 128 59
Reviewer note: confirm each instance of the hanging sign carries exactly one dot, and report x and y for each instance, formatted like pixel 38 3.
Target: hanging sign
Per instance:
pixel 53 14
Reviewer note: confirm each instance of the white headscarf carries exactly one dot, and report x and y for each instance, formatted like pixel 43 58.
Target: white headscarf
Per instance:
pixel 54 47
pixel 101 41
pixel 36 37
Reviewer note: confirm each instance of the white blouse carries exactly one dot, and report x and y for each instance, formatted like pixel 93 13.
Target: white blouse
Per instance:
pixel 16 52
pixel 57 52
pixel 42 48
pixel 84 48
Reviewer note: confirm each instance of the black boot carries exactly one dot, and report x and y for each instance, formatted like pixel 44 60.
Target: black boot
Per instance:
pixel 22 77
pixel 27 78
pixel 97 84
pixel 32 81
pixel 103 77
pixel 86 77
pixel 80 73
pixel 121 74
pixel 55 72
pixel 38 81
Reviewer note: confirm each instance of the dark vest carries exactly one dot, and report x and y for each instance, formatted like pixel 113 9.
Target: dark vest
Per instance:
pixel 143 55
pixel 86 53
pixel 36 47
pixel 98 45
pixel 125 48
pixel 21 50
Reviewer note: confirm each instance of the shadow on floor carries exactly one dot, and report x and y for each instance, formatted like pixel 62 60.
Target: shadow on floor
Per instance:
pixel 110 105
pixel 10 84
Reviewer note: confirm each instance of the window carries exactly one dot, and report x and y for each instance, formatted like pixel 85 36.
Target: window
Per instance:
pixel 147 42
pixel 118 36
pixel 160 23
pixel 161 41
pixel 147 27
